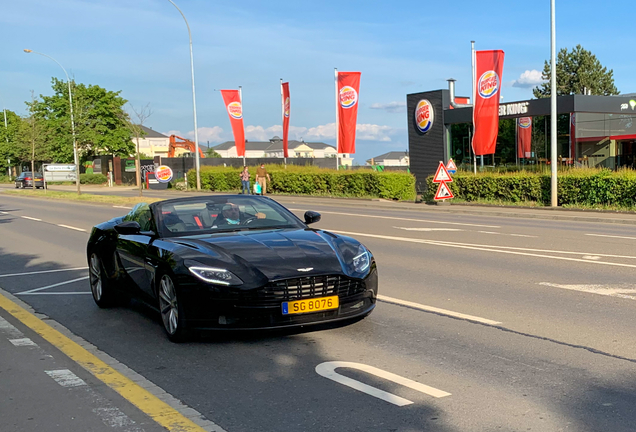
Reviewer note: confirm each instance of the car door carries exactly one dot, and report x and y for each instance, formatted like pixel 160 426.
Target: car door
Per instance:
pixel 132 249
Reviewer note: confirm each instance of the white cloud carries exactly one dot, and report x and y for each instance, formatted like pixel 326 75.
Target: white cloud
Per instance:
pixel 392 107
pixel 213 134
pixel 529 78
pixel 372 132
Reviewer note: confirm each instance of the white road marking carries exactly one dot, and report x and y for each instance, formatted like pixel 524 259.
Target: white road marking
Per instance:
pixel 621 291
pixel 42 271
pixel 66 378
pixel 402 219
pixel 591 257
pixel 523 235
pixel 31 218
pixel 70 227
pixel 22 342
pixel 1 212
pixel 9 329
pixel 327 370
pixel 113 417
pixel 124 207
pixel 611 236
pixel 54 293
pixel 437 310
pixel 52 286
pixel 498 249
pixel 488 232
pixel 428 229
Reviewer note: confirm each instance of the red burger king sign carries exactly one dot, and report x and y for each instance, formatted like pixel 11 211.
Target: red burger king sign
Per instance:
pixel 163 174
pixel 235 110
pixel 424 116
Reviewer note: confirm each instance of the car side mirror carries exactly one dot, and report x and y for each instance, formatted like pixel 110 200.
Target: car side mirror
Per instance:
pixel 128 228
pixel 311 217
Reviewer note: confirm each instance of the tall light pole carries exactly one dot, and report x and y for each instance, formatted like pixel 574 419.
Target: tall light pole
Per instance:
pixel 553 108
pixel 194 103
pixel 70 99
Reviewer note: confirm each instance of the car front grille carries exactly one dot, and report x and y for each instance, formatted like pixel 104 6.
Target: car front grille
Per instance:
pixel 300 288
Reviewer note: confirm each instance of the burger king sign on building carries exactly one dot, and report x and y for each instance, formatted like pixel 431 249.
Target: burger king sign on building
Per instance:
pixel 163 174
pixel 424 116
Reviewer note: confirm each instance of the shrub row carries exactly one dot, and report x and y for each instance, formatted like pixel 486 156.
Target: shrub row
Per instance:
pixel 314 181
pixel 588 187
pixel 93 179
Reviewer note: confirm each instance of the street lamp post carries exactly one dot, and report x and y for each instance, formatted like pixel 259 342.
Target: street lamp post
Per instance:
pixel 194 103
pixel 70 99
pixel 554 202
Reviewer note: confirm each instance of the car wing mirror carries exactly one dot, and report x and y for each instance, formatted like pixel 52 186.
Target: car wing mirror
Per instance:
pixel 128 228
pixel 311 217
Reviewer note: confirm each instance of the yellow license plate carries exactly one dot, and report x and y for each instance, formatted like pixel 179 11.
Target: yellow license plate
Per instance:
pixel 310 305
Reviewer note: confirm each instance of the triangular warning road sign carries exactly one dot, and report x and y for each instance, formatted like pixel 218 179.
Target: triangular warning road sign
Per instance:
pixel 451 167
pixel 442 175
pixel 443 192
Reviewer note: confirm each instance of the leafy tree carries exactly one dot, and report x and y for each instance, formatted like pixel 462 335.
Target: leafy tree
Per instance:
pixel 8 149
pixel 577 70
pixel 29 140
pixel 99 125
pixel 211 153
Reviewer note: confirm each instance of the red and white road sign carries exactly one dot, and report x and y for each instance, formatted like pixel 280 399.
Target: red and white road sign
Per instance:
pixel 443 192
pixel 442 174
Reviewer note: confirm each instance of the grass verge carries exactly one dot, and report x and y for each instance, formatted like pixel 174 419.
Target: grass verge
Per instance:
pixel 85 197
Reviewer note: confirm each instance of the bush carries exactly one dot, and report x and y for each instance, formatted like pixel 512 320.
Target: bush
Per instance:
pixel 93 179
pixel 584 187
pixel 310 180
pixel 4 179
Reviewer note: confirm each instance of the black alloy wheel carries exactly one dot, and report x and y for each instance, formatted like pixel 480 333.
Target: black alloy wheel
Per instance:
pixel 171 310
pixel 100 285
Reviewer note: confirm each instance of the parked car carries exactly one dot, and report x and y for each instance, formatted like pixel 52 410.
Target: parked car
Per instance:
pixel 25 180
pixel 231 262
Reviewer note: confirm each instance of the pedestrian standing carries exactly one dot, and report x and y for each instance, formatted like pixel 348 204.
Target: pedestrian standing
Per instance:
pixel 245 180
pixel 262 177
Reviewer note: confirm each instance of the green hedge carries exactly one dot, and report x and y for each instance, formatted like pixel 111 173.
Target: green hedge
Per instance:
pixel 588 187
pixel 295 180
pixel 93 179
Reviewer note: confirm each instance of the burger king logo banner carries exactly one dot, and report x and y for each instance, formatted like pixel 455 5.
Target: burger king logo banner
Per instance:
pixel 424 116
pixel 488 74
pixel 347 90
pixel 525 122
pixel 286 109
pixel 488 85
pixel 348 97
pixel 163 174
pixel 232 100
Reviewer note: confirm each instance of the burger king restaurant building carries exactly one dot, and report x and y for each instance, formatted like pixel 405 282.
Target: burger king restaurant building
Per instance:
pixel 593 131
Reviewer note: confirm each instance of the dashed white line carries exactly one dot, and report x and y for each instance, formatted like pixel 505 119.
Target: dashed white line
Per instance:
pixel 124 207
pixel 66 378
pixel 522 235
pixel 437 310
pixel 428 229
pixel 42 271
pixel 1 212
pixel 611 236
pixel 402 219
pixel 488 232
pixel 70 227
pixel 9 329
pixel 31 218
pixel 22 342
pixel 622 291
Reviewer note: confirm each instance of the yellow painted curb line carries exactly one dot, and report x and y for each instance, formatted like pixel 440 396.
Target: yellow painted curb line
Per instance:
pixel 159 411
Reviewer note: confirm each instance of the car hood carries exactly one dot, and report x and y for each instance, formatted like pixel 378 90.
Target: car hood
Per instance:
pixel 277 254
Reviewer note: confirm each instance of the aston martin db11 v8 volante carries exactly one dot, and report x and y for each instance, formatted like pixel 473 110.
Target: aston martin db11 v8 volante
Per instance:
pixel 230 262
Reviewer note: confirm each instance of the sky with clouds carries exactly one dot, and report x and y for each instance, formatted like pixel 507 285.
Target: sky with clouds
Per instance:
pixel 141 48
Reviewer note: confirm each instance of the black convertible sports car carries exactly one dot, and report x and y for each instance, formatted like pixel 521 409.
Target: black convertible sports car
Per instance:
pixel 230 262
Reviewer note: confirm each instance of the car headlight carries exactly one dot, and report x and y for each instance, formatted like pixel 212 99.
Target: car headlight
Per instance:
pixel 214 275
pixel 361 260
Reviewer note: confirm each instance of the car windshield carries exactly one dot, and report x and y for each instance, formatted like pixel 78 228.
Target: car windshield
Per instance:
pixel 222 214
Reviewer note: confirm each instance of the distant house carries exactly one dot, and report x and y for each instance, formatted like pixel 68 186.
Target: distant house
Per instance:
pixel 274 149
pixel 152 143
pixel 394 158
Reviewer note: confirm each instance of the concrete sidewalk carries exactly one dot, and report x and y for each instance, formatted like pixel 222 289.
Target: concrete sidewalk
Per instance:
pixel 548 213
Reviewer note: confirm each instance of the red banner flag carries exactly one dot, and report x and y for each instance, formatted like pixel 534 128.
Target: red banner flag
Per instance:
pixel 286 106
pixel 234 106
pixel 573 136
pixel 347 87
pixel 488 70
pixel 524 137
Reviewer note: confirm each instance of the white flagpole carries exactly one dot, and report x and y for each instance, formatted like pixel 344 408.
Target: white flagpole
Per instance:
pixel 282 117
pixel 472 59
pixel 242 111
pixel 337 120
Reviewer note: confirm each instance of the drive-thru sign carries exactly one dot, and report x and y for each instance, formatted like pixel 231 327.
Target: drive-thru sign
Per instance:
pixel 451 167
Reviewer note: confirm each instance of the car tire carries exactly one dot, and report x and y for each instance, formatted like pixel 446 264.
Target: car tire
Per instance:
pixel 101 288
pixel 171 309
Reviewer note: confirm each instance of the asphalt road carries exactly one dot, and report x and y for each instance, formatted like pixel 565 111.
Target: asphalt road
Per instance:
pixel 519 324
